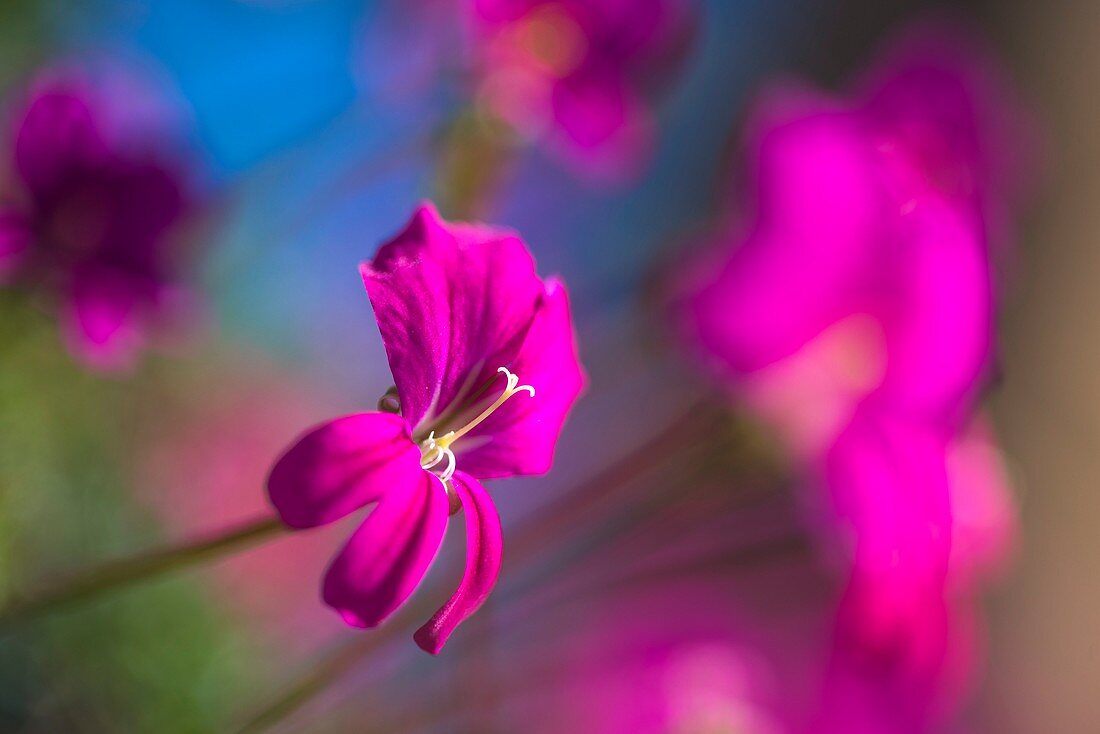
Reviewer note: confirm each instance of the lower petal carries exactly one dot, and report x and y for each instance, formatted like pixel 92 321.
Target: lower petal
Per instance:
pixel 888 481
pixel 484 544
pixel 103 326
pixel 341 466
pixel 388 555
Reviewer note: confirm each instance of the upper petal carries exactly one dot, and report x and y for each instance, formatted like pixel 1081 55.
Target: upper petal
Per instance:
pixel 805 256
pixel 940 93
pixel 484 544
pixel 388 555
pixel 520 437
pixel 453 303
pixel 58 134
pixel 342 465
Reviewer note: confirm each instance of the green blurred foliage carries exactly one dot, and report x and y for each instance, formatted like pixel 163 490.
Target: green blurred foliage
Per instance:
pixel 158 657
pixel 23 38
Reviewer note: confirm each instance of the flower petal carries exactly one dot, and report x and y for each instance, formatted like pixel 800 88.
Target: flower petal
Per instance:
pixel 984 523
pixel 387 557
pixel 818 205
pixel 484 544
pixel 57 135
pixel 888 480
pixel 939 331
pixel 338 467
pixel 104 324
pixel 519 438
pixel 453 303
pixel 941 94
pixel 603 129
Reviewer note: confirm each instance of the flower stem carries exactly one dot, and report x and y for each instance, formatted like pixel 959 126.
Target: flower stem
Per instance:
pixel 330 669
pixel 587 505
pixel 126 571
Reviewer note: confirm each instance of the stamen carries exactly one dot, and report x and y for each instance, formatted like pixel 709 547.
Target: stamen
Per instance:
pixel 435 453
pixel 435 450
pixel 511 389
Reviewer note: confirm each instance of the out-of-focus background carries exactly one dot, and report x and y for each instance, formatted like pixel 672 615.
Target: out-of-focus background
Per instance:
pixel 309 129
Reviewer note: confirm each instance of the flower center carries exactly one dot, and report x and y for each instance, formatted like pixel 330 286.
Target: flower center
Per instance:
pixel 436 451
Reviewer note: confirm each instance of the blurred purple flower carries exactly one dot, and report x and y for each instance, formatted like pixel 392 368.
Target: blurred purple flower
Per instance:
pixel 572 72
pixel 90 219
pixel 856 312
pixel 460 308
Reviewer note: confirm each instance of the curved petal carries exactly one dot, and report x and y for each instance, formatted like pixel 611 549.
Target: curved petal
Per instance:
pixel 453 303
pixel 338 467
pixel 386 558
pixel 939 331
pixel 819 205
pixel 57 135
pixel 888 480
pixel 519 438
pixel 484 545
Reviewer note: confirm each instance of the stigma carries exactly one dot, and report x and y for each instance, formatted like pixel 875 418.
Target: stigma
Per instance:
pixel 436 451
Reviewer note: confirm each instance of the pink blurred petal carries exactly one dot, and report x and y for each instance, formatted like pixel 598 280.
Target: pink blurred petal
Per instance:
pixel 572 72
pixel 983 512
pixel 341 466
pixel 939 323
pixel 387 557
pixel 816 225
pixel 484 548
pixel 602 128
pixel 103 326
pixel 888 480
pixel 941 94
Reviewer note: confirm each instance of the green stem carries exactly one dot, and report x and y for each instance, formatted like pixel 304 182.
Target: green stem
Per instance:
pixel 327 671
pixel 124 572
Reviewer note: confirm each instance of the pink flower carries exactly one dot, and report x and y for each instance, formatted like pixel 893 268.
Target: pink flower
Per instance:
pixel 90 220
pixel 572 72
pixel 462 315
pixel 856 313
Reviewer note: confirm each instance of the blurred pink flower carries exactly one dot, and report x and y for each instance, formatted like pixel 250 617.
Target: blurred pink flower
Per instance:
pixel 572 71
pixel 206 465
pixel 856 313
pixel 459 308
pixel 680 657
pixel 90 218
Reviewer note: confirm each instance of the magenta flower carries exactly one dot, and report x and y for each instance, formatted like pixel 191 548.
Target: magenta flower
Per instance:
pixel 462 315
pixel 90 222
pixel 856 313
pixel 571 72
